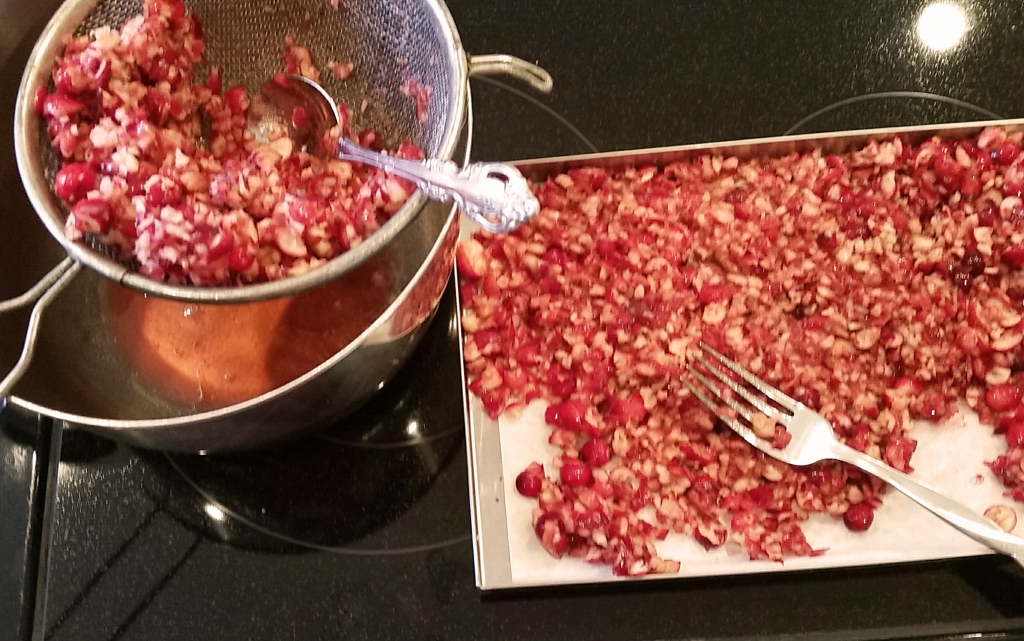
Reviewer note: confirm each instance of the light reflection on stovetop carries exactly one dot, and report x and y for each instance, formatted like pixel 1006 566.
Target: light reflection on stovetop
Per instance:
pixel 890 109
pixel 373 483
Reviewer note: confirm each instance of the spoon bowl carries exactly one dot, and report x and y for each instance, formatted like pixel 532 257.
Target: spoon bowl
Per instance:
pixel 294 108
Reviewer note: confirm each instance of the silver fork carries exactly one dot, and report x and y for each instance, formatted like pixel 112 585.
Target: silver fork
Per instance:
pixel 813 440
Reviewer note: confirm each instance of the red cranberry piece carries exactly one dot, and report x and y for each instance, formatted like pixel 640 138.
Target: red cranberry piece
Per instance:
pixel 197 26
pixel 236 99
pixel 221 244
pixel 1014 433
pixel 949 170
pixel 781 438
pixel 74 181
pixel 39 102
pixel 92 216
pixel 596 452
pixel 61 106
pixel 575 473
pixel 369 138
pixel 1011 187
pixel 856 227
pixel 530 480
pixel 162 192
pixel 560 380
pixel 299 118
pixel 570 415
pixel 214 82
pixel 242 257
pixel 859 517
pixel 67 77
pixel 158 105
pixel 177 16
pixel 1014 255
pixel 628 409
pixel 712 293
pixel 762 495
pixel 551 532
pixel 1001 398
pixel 898 451
pixel 1006 153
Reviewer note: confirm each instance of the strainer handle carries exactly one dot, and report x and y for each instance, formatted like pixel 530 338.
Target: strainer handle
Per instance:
pixel 42 293
pixel 500 64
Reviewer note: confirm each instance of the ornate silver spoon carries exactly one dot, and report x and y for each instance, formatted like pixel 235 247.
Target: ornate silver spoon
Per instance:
pixel 495 195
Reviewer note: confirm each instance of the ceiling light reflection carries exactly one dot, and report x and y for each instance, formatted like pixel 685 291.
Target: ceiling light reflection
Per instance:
pixel 214 512
pixel 413 428
pixel 941 26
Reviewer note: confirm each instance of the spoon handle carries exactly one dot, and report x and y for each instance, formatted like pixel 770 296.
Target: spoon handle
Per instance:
pixel 495 195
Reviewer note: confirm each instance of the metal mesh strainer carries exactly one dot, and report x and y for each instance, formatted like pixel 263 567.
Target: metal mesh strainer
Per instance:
pixel 390 42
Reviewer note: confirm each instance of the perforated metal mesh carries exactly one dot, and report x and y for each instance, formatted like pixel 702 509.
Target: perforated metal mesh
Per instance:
pixel 390 42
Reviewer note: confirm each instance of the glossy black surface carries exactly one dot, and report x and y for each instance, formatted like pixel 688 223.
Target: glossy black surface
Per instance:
pixel 24 442
pixel 362 531
pixel 632 75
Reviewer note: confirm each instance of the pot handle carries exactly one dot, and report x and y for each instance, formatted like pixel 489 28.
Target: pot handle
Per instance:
pixel 42 294
pixel 504 64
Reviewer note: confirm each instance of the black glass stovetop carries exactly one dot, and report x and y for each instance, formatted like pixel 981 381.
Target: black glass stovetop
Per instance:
pixel 362 531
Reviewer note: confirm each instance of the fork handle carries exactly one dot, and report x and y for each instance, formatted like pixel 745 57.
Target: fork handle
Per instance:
pixel 956 514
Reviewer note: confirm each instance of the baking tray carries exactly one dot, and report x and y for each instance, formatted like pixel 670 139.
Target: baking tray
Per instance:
pixel 506 552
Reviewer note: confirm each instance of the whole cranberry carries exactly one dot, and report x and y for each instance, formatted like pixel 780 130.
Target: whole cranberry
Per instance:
pixel 74 181
pixel 1014 433
pixel 859 517
pixel 575 473
pixel 1003 397
pixel 596 452
pixel 530 480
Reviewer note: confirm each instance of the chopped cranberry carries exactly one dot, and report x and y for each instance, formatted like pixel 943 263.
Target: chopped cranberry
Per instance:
pixel 1014 255
pixel 236 99
pixel 1006 153
pixel 39 102
pixel 60 106
pixel 91 216
pixel 471 259
pixel 551 532
pixel 570 415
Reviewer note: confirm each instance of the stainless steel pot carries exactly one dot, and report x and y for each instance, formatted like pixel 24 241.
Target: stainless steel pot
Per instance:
pixel 78 374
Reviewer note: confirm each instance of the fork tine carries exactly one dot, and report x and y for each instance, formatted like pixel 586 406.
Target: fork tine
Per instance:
pixel 762 406
pixel 741 410
pixel 745 432
pixel 776 395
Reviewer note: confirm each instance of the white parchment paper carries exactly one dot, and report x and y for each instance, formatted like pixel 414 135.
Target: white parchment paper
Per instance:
pixel 950 457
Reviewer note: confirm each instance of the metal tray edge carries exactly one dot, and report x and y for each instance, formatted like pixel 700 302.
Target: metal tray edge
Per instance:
pixel 832 142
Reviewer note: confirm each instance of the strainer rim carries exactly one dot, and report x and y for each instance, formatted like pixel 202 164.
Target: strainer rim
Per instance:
pixel 28 155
